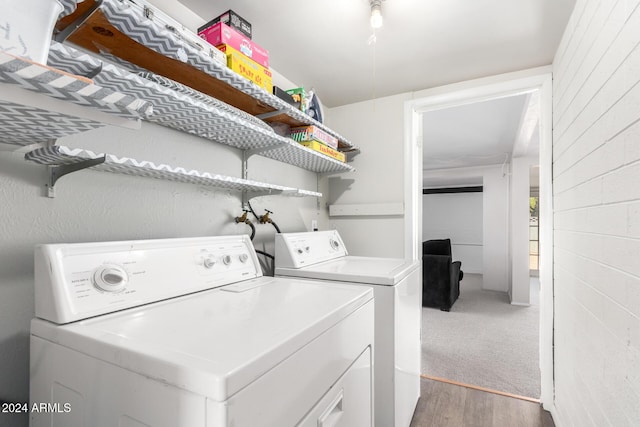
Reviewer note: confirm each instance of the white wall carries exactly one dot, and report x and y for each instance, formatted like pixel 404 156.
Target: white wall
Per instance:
pixel 596 168
pixel 96 206
pixel 496 230
pixel 495 220
pixel 519 217
pixel 456 216
pixel 378 127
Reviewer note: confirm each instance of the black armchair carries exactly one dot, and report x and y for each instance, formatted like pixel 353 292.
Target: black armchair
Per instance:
pixel 440 276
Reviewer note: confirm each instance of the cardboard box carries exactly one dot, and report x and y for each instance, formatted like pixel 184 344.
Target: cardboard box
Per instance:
pixel 231 19
pixel 299 96
pixel 220 34
pixel 248 68
pixel 321 148
pixel 313 133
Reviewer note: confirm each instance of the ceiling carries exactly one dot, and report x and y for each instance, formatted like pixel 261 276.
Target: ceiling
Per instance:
pixel 479 134
pixel 423 43
pixel 472 135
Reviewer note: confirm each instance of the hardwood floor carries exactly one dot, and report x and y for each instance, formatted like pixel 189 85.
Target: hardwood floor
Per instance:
pixel 448 405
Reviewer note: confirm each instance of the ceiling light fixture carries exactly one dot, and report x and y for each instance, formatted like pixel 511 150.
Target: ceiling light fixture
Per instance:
pixel 376 13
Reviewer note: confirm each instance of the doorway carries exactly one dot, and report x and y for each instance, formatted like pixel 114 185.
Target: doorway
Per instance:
pixel 490 337
pixel 473 92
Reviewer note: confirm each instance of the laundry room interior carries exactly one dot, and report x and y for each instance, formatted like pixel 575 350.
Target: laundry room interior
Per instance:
pixel 389 213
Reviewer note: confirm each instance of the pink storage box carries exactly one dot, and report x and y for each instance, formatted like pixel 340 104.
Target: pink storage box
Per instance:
pixel 220 33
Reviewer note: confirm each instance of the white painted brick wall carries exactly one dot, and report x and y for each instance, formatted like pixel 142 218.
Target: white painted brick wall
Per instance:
pixel 596 168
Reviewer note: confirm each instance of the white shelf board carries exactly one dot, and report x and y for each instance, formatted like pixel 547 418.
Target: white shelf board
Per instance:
pixel 301 193
pixel 57 155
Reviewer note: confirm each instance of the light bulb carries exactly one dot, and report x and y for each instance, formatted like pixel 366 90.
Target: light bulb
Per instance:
pixel 376 16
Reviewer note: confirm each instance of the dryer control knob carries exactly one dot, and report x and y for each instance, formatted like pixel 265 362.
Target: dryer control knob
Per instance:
pixel 243 258
pixel 209 262
pixel 226 259
pixel 334 244
pixel 110 278
pixel 299 250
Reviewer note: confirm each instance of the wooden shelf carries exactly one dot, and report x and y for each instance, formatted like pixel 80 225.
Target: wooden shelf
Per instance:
pixel 129 33
pixel 187 110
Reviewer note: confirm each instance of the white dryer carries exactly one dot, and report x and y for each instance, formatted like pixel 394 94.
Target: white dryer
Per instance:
pixel 187 332
pixel 397 286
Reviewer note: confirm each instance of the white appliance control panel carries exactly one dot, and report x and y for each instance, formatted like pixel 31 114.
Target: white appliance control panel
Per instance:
pixel 77 281
pixel 296 250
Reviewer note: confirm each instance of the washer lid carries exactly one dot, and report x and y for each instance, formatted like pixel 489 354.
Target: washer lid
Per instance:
pixel 215 342
pixel 377 271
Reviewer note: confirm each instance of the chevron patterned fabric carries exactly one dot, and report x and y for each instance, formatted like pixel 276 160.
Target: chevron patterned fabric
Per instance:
pixel 41 79
pixel 60 155
pixel 130 19
pixel 23 125
pixel 199 115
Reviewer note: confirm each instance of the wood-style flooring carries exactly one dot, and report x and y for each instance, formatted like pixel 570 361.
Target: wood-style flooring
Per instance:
pixel 447 405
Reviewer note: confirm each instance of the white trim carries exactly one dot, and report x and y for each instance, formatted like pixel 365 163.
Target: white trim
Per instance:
pixel 412 183
pixel 545 238
pixel 471 92
pixel 520 304
pixel 555 414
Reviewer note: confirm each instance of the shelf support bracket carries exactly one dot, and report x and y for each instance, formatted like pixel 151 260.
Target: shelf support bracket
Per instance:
pixel 73 26
pixel 333 172
pixel 258 151
pixel 57 172
pixel 91 74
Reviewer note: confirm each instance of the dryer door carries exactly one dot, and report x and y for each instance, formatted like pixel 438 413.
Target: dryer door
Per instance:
pixel 348 401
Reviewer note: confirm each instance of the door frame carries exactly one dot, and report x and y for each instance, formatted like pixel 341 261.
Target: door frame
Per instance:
pixel 469 92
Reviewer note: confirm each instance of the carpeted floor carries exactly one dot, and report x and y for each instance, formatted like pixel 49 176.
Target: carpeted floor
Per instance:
pixel 483 341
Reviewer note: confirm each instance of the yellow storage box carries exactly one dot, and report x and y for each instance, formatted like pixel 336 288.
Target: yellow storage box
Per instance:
pixel 317 146
pixel 248 68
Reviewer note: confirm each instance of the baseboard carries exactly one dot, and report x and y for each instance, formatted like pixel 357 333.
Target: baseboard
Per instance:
pixel 488 390
pixel 557 421
pixel 522 304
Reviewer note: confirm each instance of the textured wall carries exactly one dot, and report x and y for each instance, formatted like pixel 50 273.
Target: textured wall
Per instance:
pixel 377 126
pixel 96 206
pixel 596 169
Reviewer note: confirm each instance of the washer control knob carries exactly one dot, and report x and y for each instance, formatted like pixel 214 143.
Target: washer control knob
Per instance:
pixel 307 249
pixel 226 259
pixel 243 258
pixel 299 250
pixel 110 278
pixel 334 244
pixel 208 262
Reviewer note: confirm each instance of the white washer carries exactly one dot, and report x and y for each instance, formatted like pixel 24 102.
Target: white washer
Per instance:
pixel 397 286
pixel 186 332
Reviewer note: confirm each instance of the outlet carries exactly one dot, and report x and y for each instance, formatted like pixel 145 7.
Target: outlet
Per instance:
pixel 314 225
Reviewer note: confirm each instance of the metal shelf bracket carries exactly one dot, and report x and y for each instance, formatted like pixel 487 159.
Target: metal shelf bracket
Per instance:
pixel 254 151
pixel 64 34
pixel 57 172
pixel 270 114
